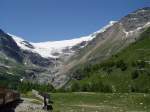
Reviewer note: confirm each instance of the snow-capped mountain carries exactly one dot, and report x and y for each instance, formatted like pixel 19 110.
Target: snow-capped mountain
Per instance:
pixel 55 61
pixel 53 49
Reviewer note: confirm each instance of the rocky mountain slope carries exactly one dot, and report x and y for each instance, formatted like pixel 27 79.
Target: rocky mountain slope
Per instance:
pixel 38 62
pixel 9 47
pixel 54 61
pixel 116 37
pixel 113 40
pixel 126 71
pixel 45 60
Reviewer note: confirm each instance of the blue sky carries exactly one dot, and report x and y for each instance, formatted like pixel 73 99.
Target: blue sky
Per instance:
pixel 45 20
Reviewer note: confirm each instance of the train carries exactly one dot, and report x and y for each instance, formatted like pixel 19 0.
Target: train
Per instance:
pixel 8 96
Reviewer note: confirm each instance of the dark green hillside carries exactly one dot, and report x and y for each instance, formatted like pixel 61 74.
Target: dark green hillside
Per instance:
pixel 10 74
pixel 127 71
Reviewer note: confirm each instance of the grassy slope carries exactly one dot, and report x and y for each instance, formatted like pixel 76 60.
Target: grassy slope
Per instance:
pixel 122 80
pixel 96 102
pixel 99 102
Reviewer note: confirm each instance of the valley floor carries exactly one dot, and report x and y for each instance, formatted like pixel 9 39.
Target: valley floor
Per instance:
pixel 100 102
pixel 90 102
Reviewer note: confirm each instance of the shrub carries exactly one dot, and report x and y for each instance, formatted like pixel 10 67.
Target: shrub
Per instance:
pixel 135 74
pixel 134 64
pixel 121 64
pixel 141 64
pixel 26 86
pixel 75 87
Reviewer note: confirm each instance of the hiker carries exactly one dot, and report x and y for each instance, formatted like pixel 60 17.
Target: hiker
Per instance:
pixel 47 102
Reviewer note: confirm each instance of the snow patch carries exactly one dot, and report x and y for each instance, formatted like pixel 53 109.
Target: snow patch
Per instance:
pixel 19 42
pixel 111 23
pixel 47 49
pixel 136 30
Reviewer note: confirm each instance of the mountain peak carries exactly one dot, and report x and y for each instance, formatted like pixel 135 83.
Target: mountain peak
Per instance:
pixel 136 19
pixel 47 49
pixel 144 9
pixel 103 29
pixel 1 31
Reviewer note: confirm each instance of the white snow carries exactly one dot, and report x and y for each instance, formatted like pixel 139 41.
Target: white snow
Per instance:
pixel 136 30
pixel 21 80
pixel 46 49
pixel 104 28
pixel 134 18
pixel 147 24
pixel 142 11
pixel 19 42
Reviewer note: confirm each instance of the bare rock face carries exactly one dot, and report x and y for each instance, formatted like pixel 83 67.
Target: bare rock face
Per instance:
pixel 9 47
pixel 109 42
pixel 136 19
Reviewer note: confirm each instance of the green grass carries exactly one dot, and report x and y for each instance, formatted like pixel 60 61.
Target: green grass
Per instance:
pixel 122 80
pixel 100 102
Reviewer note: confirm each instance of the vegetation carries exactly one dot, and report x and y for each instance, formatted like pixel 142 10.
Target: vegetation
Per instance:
pixel 100 102
pixel 12 80
pixel 127 71
pixel 27 86
pixel 10 77
pixel 96 85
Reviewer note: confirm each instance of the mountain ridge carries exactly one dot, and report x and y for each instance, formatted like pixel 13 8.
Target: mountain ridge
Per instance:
pixel 113 40
pixel 49 62
pixel 46 49
pixel 126 71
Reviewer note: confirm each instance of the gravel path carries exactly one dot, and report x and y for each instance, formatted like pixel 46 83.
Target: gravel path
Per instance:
pixel 28 106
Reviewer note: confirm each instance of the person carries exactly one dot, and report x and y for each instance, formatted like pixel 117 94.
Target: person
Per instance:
pixel 45 102
pixel 47 105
